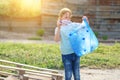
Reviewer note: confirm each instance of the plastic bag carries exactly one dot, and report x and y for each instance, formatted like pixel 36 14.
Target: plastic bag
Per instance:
pixel 83 40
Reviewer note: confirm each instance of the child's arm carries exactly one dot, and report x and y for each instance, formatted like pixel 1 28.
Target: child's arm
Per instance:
pixel 85 17
pixel 83 23
pixel 57 31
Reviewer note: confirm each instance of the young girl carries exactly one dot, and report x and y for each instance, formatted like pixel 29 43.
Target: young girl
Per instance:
pixel 70 61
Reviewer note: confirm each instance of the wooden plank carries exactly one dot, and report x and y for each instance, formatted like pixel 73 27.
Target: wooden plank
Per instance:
pixel 37 77
pixel 42 69
pixel 10 77
pixel 31 76
pixel 44 75
pixel 49 76
pixel 109 17
pixel 2 78
pixel 34 71
pixel 7 73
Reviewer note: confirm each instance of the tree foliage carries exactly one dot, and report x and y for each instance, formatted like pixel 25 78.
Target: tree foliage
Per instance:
pixel 15 8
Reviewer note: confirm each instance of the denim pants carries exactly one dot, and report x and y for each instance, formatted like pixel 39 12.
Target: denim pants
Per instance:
pixel 71 64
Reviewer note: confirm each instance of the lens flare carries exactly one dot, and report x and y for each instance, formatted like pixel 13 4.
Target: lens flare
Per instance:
pixel 31 6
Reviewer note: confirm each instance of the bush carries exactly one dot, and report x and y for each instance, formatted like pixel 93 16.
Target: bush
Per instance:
pixel 40 32
pixel 96 34
pixel 104 37
pixel 34 38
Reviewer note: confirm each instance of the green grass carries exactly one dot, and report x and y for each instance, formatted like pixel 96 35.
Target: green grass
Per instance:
pixel 48 55
pixel 104 57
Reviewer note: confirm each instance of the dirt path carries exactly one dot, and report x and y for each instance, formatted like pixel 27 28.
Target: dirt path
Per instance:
pixel 14 35
pixel 93 74
pixel 99 74
pixel 22 36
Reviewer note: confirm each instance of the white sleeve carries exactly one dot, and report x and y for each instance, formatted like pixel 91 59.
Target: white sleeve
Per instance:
pixel 83 24
pixel 56 30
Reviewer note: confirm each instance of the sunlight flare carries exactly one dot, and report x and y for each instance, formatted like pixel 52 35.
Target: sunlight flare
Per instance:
pixel 33 6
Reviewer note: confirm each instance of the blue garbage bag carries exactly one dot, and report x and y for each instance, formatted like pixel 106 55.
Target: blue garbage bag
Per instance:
pixel 83 40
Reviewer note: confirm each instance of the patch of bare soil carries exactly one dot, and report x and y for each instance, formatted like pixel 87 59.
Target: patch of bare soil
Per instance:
pixel 14 35
pixel 98 74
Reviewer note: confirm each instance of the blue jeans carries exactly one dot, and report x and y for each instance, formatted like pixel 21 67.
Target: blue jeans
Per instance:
pixel 71 64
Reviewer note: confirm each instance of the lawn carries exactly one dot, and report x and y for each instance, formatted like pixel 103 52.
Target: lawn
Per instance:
pixel 48 55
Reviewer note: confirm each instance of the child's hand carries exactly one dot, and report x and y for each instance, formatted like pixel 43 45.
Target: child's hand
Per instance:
pixel 59 23
pixel 85 17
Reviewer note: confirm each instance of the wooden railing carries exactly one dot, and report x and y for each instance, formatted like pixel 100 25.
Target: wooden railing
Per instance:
pixel 27 72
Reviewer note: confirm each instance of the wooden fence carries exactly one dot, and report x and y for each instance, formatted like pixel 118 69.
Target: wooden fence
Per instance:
pixel 27 72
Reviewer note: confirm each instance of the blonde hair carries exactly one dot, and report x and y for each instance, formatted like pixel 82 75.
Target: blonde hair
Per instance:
pixel 63 11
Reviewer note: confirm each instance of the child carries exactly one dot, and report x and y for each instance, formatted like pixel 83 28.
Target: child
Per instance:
pixel 70 61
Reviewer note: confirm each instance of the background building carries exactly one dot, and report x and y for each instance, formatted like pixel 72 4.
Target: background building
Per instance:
pixel 104 16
